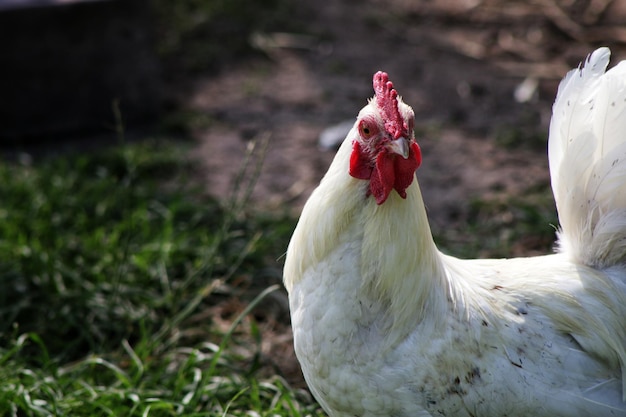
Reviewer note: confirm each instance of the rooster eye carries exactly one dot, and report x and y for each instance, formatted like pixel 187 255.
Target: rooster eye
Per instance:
pixel 366 130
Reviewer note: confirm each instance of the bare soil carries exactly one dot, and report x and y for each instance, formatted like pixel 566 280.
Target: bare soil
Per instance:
pixel 458 63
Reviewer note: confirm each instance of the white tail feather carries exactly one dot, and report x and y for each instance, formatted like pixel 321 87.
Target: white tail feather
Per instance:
pixel 587 154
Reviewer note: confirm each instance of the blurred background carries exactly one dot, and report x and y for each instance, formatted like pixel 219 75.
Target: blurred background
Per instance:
pixel 226 71
pixel 156 154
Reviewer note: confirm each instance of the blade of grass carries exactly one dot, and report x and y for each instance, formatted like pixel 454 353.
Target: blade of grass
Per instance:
pixel 235 323
pixel 232 400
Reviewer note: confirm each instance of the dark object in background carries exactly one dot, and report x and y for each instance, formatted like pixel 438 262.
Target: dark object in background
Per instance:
pixel 63 63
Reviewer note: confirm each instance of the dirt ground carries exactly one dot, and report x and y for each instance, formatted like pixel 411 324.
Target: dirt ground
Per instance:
pixel 458 63
pixel 481 76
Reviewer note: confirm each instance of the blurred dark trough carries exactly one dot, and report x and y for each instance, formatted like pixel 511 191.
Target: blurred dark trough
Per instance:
pixel 65 65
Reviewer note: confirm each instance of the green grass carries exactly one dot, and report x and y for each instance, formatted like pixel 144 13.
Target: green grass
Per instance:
pixel 109 268
pixel 507 226
pixel 112 264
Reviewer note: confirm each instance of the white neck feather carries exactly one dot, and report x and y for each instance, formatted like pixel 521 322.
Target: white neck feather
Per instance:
pixel 400 265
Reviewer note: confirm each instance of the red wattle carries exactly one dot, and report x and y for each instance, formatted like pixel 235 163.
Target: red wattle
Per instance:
pixel 383 177
pixel 389 172
pixel 405 169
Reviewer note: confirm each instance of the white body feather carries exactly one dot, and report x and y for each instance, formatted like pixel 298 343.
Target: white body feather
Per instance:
pixel 386 325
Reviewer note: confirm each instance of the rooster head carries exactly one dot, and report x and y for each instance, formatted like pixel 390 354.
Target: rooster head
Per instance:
pixel 384 150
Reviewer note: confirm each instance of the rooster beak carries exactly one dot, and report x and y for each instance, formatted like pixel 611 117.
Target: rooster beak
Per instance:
pixel 399 146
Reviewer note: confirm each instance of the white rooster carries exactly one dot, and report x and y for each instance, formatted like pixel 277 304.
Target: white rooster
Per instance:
pixel 386 325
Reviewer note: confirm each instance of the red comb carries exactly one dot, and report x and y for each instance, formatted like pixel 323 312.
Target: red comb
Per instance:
pixel 387 100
